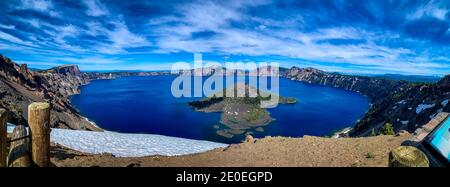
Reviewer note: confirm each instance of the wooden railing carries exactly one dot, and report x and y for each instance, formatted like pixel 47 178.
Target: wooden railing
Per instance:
pixel 27 148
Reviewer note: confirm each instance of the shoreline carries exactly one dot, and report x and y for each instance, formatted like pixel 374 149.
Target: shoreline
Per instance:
pixel 92 123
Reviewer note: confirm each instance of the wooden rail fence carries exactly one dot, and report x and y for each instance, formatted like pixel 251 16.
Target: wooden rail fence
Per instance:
pixel 27 147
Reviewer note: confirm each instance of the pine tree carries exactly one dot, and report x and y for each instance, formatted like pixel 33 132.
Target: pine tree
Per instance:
pixel 387 129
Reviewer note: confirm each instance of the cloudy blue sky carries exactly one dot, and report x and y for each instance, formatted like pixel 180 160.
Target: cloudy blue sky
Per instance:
pixel 397 36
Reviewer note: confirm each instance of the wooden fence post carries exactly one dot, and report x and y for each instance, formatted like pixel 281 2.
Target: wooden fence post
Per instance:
pixel 39 122
pixel 3 136
pixel 19 149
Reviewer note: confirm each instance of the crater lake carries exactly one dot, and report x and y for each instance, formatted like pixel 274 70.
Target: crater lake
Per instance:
pixel 146 105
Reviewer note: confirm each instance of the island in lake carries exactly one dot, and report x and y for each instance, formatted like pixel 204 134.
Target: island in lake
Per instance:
pixel 240 115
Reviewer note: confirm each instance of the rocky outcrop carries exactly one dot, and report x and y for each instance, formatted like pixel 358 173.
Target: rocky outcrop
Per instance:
pixel 408 110
pixel 223 71
pixel 15 73
pixel 407 106
pixel 445 82
pixel 374 88
pixel 113 75
pixel 64 70
pixel 20 86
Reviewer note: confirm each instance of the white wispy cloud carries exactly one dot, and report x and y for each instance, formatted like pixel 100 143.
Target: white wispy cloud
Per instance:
pixel 10 27
pixel 39 5
pixel 233 28
pixel 431 8
pixel 40 63
pixel 95 8
pixel 13 39
pixel 87 60
pixel 120 38
pixel 288 42
pixel 45 6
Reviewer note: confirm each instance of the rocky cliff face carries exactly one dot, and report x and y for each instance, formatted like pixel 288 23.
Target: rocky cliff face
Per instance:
pixel 15 73
pixel 407 110
pixel 223 71
pixel 113 75
pixel 20 86
pixel 405 105
pixel 445 82
pixel 64 70
pixel 374 88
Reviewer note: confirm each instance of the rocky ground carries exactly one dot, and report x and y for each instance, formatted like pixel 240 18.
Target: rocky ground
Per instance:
pixel 270 151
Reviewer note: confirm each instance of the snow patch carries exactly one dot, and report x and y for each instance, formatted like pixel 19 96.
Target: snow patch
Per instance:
pixel 444 102
pixel 404 122
pixel 422 107
pixel 402 102
pixel 128 145
pixel 435 114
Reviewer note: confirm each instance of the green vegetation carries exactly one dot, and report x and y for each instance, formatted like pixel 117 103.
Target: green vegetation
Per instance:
pixel 370 156
pixel 255 114
pixel 16 108
pixel 288 100
pixel 206 102
pixel 373 133
pixel 414 84
pixel 387 129
pixel 233 120
pixel 398 96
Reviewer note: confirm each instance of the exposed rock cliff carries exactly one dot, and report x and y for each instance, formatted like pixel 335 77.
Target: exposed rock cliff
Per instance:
pixel 445 82
pixel 408 110
pixel 64 70
pixel 113 75
pixel 374 88
pixel 223 71
pixel 20 86
pixel 406 105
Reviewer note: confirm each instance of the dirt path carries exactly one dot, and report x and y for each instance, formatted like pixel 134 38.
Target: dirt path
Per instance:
pixel 269 151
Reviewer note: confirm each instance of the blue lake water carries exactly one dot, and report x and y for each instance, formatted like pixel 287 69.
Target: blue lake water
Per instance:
pixel 146 105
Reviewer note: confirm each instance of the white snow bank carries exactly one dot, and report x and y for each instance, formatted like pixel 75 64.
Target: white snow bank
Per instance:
pixel 422 107
pixel 401 102
pixel 128 145
pixel 435 114
pixel 405 122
